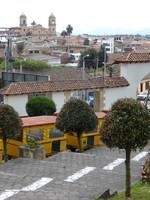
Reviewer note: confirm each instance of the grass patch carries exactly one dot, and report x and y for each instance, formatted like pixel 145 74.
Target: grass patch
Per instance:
pixel 139 191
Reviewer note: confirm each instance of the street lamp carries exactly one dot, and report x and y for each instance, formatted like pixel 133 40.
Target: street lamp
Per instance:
pixel 84 65
pixel 21 59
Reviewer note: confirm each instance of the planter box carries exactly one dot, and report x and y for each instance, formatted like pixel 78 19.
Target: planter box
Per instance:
pixel 37 153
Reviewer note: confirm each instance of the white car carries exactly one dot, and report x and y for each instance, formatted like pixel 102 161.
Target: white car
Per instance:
pixel 143 95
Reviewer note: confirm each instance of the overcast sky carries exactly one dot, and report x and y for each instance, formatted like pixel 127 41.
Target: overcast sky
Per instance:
pixel 84 15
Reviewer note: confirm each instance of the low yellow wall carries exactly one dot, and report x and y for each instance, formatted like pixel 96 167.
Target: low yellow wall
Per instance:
pixel 46 142
pixel 1 151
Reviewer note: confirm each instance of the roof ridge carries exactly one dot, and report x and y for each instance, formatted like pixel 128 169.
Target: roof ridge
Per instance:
pixel 128 56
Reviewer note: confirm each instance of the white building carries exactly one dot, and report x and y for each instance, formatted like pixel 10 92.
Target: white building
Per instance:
pixel 133 67
pixel 18 93
pixel 109 44
pixel 75 56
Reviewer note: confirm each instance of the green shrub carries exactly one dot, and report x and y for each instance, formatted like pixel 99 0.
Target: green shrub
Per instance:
pixel 40 105
pixel 32 144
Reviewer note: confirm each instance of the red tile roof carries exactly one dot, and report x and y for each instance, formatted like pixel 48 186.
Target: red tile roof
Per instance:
pixel 134 57
pixel 114 56
pixel 100 115
pixel 64 73
pixel 39 120
pixel 66 85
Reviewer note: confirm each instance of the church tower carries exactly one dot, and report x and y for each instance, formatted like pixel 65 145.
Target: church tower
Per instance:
pixel 23 20
pixel 23 24
pixel 52 24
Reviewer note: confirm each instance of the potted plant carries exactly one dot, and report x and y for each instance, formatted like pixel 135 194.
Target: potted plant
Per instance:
pixel 32 150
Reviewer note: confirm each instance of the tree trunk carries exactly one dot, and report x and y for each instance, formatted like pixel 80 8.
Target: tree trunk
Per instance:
pixel 5 150
pixel 128 175
pixel 79 143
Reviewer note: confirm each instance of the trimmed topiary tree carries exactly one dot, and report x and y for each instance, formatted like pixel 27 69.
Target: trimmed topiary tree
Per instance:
pixel 126 126
pixel 10 124
pixel 40 105
pixel 76 116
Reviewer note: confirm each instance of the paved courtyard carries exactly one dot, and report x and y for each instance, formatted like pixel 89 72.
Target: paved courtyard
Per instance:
pixel 68 175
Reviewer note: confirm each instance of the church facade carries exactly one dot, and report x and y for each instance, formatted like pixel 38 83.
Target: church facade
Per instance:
pixel 36 32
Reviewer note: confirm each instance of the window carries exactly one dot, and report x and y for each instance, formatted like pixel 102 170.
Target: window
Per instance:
pixel 18 136
pixel 106 44
pixel 35 134
pixel 147 85
pixel 107 49
pixel 141 87
pixel 54 133
pixel 36 51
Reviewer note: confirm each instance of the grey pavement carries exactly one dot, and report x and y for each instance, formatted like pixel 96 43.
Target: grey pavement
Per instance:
pixel 19 177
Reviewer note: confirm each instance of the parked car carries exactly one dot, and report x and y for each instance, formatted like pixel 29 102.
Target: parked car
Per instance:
pixel 143 95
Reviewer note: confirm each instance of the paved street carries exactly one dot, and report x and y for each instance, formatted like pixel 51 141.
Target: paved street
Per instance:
pixel 68 175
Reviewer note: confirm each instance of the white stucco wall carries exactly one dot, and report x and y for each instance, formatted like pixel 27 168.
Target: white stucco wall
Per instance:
pixel 18 102
pixel 110 44
pixel 134 74
pixel 59 99
pixel 113 94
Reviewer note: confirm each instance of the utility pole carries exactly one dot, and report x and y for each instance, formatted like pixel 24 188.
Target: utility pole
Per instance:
pixel 9 61
pixel 8 52
pixel 6 32
pixel 84 65
pixel 83 71
pixel 96 66
pixel 104 69
pixel 6 59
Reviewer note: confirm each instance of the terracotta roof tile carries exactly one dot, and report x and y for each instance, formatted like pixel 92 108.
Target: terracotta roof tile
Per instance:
pixel 64 73
pixel 113 56
pixel 134 57
pixel 67 85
